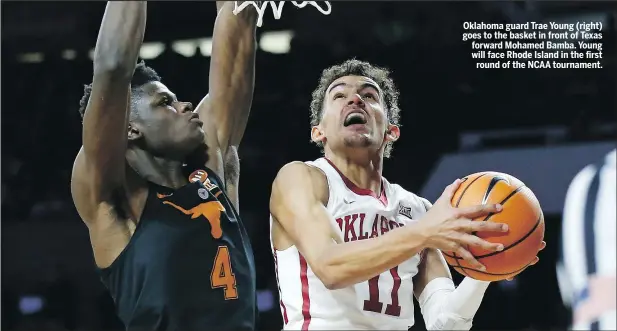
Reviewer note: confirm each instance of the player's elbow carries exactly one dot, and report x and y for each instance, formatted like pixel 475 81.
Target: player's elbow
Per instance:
pixel 329 277
pixel 111 68
pixel 113 62
pixel 330 274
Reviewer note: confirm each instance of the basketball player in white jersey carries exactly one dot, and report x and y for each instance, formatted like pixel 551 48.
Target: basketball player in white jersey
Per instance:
pixel 587 268
pixel 351 249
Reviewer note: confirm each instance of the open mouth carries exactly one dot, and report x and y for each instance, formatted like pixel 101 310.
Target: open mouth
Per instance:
pixel 355 118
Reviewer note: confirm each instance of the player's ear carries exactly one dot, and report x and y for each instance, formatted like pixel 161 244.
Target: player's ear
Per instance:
pixel 317 134
pixel 134 133
pixel 393 133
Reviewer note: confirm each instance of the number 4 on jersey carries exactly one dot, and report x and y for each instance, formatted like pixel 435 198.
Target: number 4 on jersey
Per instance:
pixel 222 275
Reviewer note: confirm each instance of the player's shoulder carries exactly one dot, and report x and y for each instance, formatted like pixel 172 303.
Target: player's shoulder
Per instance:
pixel 405 196
pixel 300 175
pixel 295 167
pixel 298 171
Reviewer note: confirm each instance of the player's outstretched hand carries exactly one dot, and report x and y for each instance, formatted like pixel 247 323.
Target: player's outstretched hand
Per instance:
pixel 452 229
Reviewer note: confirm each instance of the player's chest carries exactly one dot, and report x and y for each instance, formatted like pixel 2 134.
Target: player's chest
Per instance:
pixel 364 218
pixel 197 202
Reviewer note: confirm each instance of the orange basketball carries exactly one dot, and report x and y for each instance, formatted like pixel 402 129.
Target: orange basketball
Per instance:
pixel 521 211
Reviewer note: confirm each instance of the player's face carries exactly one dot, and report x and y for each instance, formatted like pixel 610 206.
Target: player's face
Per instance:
pixel 353 114
pixel 168 127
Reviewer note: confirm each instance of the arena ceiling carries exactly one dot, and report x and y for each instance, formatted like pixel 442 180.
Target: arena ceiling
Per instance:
pixel 30 26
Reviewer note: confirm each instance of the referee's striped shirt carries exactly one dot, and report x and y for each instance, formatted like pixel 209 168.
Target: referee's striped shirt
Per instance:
pixel 586 269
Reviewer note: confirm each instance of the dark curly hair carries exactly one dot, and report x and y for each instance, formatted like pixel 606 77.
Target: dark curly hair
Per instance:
pixel 143 75
pixel 355 67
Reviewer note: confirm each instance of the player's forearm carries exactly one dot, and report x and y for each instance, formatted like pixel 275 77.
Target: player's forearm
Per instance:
pixel 446 308
pixel 353 262
pixel 232 71
pixel 120 37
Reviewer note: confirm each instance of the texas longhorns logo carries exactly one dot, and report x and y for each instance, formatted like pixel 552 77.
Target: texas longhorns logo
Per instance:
pixel 211 210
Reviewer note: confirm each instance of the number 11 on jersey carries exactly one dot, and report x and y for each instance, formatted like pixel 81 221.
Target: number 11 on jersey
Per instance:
pixel 373 304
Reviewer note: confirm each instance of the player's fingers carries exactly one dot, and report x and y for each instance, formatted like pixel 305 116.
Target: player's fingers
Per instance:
pixel 471 240
pixel 467 256
pixel 478 210
pixel 479 226
pixel 542 245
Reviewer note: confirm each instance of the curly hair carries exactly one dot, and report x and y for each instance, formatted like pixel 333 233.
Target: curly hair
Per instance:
pixel 355 67
pixel 142 75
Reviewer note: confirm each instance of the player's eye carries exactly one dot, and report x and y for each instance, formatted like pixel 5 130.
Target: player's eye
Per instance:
pixel 338 95
pixel 165 101
pixel 369 95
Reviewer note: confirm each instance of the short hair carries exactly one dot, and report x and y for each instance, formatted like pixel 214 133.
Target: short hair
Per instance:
pixel 142 75
pixel 355 67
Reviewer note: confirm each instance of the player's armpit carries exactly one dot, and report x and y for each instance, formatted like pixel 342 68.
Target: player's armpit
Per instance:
pixel 297 203
pixel 232 175
pixel 101 163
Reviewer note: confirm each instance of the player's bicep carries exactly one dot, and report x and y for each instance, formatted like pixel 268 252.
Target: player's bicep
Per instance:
pixel 433 265
pixel 105 121
pixel 93 210
pixel 215 153
pixel 231 77
pixel 105 130
pixel 297 203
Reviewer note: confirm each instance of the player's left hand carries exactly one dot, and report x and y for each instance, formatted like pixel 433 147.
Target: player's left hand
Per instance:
pixel 535 260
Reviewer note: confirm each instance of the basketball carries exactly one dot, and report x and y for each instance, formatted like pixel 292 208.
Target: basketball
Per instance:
pixel 521 212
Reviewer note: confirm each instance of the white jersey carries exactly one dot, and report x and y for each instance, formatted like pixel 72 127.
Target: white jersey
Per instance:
pixel 385 302
pixel 586 269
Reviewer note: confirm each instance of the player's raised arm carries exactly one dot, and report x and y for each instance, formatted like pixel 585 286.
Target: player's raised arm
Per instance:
pixel 225 109
pixel 297 203
pixel 99 167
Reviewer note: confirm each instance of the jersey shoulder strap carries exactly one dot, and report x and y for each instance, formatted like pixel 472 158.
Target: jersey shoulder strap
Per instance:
pixel 336 185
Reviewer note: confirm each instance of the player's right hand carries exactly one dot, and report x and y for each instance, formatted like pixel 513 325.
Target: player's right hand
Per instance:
pixel 452 229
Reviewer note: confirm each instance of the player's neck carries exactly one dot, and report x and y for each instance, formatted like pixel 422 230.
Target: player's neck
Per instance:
pixel 158 170
pixel 363 170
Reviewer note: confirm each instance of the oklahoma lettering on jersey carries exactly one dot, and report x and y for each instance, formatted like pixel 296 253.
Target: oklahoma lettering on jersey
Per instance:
pixel 384 302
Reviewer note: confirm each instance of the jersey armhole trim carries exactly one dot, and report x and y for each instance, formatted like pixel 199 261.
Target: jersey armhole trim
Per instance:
pixel 327 182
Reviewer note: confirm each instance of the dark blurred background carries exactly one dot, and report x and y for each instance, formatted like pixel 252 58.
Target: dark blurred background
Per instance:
pixel 541 126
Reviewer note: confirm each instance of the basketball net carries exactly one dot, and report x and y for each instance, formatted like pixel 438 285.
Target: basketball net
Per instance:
pixel 277 9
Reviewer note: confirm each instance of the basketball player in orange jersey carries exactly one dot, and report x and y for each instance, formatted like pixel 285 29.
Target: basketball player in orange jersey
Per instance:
pixel 351 248
pixel 156 180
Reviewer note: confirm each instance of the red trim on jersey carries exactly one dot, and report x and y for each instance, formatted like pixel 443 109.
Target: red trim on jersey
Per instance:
pixel 306 299
pixel 276 271
pixel 362 191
